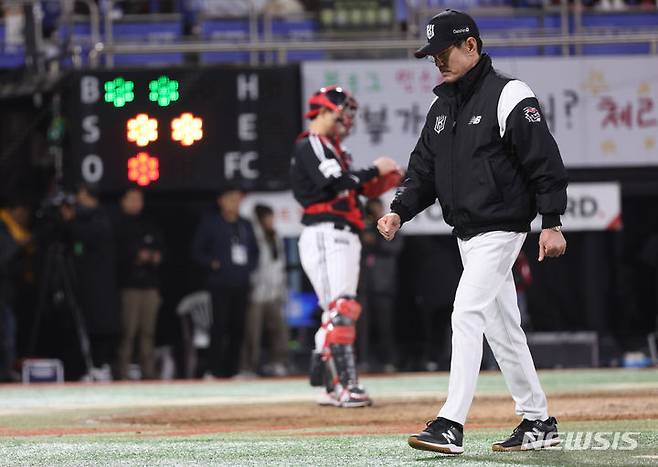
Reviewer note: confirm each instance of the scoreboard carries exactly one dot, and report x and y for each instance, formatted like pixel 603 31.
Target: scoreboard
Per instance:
pixel 183 129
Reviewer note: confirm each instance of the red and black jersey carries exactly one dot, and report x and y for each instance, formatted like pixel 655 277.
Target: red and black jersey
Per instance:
pixel 323 183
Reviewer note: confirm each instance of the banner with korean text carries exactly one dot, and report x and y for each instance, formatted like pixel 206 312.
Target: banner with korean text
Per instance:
pixel 603 112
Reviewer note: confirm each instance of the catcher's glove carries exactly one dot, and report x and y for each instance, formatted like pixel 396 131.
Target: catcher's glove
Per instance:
pixel 381 184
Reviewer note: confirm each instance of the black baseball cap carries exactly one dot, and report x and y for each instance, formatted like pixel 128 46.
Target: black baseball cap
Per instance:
pixel 445 29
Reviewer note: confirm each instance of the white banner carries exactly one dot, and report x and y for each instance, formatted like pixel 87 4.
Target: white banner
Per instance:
pixel 603 112
pixel 590 206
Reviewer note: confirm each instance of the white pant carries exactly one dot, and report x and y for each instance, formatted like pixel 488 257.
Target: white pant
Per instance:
pixel 331 260
pixel 485 303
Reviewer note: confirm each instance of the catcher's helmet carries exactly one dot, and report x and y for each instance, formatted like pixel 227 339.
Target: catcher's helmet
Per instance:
pixel 332 98
pixel 337 99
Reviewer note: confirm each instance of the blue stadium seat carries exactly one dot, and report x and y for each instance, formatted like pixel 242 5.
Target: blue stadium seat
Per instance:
pixel 520 26
pixel 616 49
pixel 10 57
pixel 297 30
pixel 618 21
pixel 225 30
pixel 132 30
pixel 145 30
pixel 237 30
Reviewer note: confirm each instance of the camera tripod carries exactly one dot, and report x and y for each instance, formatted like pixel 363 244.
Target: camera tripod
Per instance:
pixel 56 285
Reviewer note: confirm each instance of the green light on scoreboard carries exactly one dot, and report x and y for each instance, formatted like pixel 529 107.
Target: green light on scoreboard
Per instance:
pixel 119 91
pixel 163 91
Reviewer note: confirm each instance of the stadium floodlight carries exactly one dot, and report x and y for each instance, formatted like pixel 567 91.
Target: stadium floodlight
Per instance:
pixel 163 91
pixel 143 169
pixel 187 129
pixel 119 91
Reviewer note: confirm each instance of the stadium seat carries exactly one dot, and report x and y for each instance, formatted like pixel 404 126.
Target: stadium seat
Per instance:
pixel 10 56
pixel 150 29
pixel 618 22
pixel 135 29
pixel 225 30
pixel 510 26
pixel 297 30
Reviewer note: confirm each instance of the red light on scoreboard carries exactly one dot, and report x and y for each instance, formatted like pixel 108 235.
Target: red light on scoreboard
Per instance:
pixel 143 169
pixel 187 129
pixel 142 130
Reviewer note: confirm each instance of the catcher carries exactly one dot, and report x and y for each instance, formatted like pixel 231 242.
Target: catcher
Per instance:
pixel 328 189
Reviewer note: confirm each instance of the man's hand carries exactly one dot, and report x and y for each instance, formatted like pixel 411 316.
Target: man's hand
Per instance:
pixel 388 225
pixel 551 244
pixel 385 165
pixel 156 258
pixel 214 264
pixel 67 212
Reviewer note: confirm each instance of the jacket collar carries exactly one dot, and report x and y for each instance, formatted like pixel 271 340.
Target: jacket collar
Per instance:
pixel 465 86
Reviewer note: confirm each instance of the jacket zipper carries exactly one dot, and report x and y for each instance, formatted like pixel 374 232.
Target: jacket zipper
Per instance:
pixel 452 158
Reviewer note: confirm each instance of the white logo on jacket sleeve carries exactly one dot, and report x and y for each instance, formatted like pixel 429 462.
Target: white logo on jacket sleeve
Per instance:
pixel 430 31
pixel 330 168
pixel 532 114
pixel 440 123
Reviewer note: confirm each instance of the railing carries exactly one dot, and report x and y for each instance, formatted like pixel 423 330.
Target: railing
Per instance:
pixel 103 44
pixel 402 45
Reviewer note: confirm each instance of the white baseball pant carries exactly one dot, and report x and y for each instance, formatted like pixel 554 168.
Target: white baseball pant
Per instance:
pixel 331 260
pixel 485 303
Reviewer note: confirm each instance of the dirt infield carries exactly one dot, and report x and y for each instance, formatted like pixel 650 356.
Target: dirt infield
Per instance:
pixel 386 416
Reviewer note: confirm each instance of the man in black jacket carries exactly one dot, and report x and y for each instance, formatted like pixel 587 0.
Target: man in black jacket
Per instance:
pixel 486 153
pixel 93 247
pixel 139 253
pixel 224 245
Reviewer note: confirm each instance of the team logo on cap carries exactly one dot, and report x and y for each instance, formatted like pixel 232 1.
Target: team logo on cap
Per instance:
pixel 430 31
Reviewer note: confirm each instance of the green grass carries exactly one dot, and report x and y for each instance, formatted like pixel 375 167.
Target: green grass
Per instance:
pixel 298 450
pixel 83 406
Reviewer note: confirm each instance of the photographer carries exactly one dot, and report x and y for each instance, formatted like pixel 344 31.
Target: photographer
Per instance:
pixel 139 248
pixel 91 237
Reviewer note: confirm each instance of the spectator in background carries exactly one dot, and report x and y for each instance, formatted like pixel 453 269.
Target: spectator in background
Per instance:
pixel 93 246
pixel 283 7
pixel 14 239
pixel 379 288
pixel 268 294
pixel 139 249
pixel 241 8
pixel 227 8
pixel 14 19
pixel 225 246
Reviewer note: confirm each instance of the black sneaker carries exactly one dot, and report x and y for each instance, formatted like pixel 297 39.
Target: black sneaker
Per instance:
pixel 530 434
pixel 440 435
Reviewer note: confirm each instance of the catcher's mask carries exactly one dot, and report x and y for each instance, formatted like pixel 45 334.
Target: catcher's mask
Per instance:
pixel 337 99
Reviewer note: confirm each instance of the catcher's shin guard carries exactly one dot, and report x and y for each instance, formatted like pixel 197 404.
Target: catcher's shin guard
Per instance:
pixel 339 343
